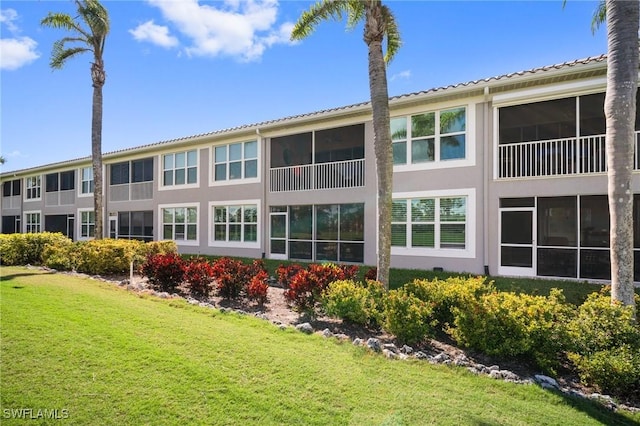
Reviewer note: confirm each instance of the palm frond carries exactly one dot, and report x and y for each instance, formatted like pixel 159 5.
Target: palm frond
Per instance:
pixel 321 11
pixel 60 55
pixel 356 13
pixel 62 21
pixel 599 16
pixel 392 34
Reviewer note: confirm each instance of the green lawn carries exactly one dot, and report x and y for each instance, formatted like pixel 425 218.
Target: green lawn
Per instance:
pixel 108 356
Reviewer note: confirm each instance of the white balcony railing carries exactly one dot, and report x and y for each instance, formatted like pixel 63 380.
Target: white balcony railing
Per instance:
pixel 557 157
pixel 341 174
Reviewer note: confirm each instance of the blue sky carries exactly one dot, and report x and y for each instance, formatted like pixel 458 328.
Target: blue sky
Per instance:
pixel 187 67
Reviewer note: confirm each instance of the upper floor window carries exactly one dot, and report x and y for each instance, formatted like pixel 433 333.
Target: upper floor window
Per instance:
pixel 11 188
pixel 86 180
pixel 33 187
pixel 236 161
pixel 132 171
pixel 63 181
pixel 429 137
pixel 180 168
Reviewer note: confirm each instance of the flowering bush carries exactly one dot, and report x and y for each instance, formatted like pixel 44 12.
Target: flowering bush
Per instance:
pixel 164 271
pixel 257 288
pixel 198 275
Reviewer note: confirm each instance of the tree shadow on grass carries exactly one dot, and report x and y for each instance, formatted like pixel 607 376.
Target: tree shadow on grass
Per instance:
pixel 597 411
pixel 11 277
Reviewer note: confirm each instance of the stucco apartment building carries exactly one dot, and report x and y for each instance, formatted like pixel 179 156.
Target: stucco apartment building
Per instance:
pixel 505 175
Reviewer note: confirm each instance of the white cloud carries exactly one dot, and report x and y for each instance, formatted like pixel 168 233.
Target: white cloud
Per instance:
pixel 156 34
pixel 7 16
pixel 241 29
pixel 405 75
pixel 17 51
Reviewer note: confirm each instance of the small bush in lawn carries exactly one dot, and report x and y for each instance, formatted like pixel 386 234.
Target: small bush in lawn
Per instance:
pixel 509 324
pixel 606 345
pixel 164 271
pixel 446 294
pixel 353 301
pixel 258 288
pixel 230 276
pixel 198 276
pixel 407 317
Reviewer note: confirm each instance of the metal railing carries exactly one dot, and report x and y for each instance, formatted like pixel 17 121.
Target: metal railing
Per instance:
pixel 557 157
pixel 335 175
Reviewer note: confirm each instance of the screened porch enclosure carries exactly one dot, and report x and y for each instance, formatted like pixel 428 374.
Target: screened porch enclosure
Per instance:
pixel 323 159
pixel 555 138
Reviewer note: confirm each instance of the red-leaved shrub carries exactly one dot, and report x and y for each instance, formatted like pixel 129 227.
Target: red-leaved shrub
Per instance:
pixel 233 277
pixel 164 271
pixel 371 274
pixel 198 276
pixel 258 287
pixel 286 273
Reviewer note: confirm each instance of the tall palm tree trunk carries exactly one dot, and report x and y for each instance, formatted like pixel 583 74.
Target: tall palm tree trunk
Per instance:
pixel 374 33
pixel 98 78
pixel 620 112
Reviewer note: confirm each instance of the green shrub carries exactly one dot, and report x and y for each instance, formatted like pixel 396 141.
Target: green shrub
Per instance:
pixel 510 324
pixel 60 255
pixel 26 249
pixel 407 317
pixel 449 293
pixel 159 247
pixel 606 345
pixel 107 256
pixel 353 301
pixel 615 371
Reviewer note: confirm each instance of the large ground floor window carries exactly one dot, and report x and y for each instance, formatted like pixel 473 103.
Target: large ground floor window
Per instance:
pixel 180 223
pixel 11 224
pixel 571 236
pixel 63 223
pixel 326 232
pixel 136 225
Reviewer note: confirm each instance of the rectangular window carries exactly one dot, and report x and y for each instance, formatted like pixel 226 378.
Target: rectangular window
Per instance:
pixel 63 181
pixel 235 161
pixel 180 168
pixel 32 222
pixel 51 182
pixel 136 225
pixel 437 223
pixel 33 187
pixel 86 183
pixel 235 223
pixel 180 223
pixel 429 137
pixel 87 224
pixel 120 173
pixel 11 188
pixel 142 170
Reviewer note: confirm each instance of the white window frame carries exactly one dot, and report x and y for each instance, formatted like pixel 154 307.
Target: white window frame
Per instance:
pixel 38 185
pixel 183 242
pixel 162 186
pixel 82 181
pixel 28 224
pixel 469 133
pixel 469 251
pixel 243 160
pixel 238 244
pixel 81 224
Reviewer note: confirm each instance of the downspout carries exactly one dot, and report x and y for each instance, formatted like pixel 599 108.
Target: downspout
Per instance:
pixel 485 182
pixel 263 200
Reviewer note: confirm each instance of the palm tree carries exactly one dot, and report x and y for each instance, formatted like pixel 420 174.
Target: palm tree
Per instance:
pixel 379 23
pixel 89 32
pixel 623 20
pixel 2 160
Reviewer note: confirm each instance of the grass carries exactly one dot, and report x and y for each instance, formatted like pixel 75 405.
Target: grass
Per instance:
pixel 108 356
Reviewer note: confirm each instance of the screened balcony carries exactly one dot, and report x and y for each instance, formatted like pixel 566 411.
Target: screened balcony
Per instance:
pixel 558 137
pixel 323 159
pixel 556 157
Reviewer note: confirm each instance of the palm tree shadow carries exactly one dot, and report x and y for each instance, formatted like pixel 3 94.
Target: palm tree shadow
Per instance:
pixel 11 277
